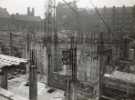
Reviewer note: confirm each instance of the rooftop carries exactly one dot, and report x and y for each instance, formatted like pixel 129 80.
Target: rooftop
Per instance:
pixel 27 18
pixel 10 60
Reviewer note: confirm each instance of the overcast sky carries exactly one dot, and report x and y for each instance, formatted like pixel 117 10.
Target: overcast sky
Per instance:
pixel 20 6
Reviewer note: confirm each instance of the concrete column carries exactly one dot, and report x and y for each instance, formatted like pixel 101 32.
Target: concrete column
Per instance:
pixel 33 76
pixel 33 83
pixel 67 97
pixel 73 91
pixel 101 65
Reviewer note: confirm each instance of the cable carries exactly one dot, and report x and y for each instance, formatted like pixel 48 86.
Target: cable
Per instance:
pixel 74 10
pixel 79 25
pixel 97 11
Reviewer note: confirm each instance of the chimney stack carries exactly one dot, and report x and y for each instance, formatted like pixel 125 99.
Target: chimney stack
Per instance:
pixel 28 11
pixel 33 12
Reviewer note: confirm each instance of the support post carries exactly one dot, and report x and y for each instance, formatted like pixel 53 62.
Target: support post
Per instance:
pixel 33 78
pixel 73 59
pixel 73 91
pixel 101 65
pixel 49 66
pixel 4 83
pixel 74 68
pixel 68 97
pixel 11 42
pixel 28 46
pixel 126 48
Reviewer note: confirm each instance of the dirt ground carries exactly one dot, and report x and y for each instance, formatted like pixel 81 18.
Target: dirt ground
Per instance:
pixel 17 86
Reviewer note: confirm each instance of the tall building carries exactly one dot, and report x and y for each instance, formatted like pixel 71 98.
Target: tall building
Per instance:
pixel 119 19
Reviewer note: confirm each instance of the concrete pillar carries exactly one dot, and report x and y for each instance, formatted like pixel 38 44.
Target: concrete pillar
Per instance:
pixel 33 83
pixel 33 76
pixel 101 65
pixel 73 91
pixel 74 68
pixel 67 97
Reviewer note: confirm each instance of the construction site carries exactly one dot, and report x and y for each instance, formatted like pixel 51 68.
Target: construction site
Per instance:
pixel 72 53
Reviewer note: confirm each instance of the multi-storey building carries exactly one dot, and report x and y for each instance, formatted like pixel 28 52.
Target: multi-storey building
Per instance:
pixel 18 22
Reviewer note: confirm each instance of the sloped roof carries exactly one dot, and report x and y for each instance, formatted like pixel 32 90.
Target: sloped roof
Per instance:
pixel 10 60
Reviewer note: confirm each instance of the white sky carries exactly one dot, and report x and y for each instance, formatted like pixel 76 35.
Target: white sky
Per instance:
pixel 20 6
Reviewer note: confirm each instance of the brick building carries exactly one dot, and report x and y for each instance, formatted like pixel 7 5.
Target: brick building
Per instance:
pixel 19 22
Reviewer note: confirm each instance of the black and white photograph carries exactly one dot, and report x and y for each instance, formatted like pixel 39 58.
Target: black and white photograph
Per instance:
pixel 67 49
